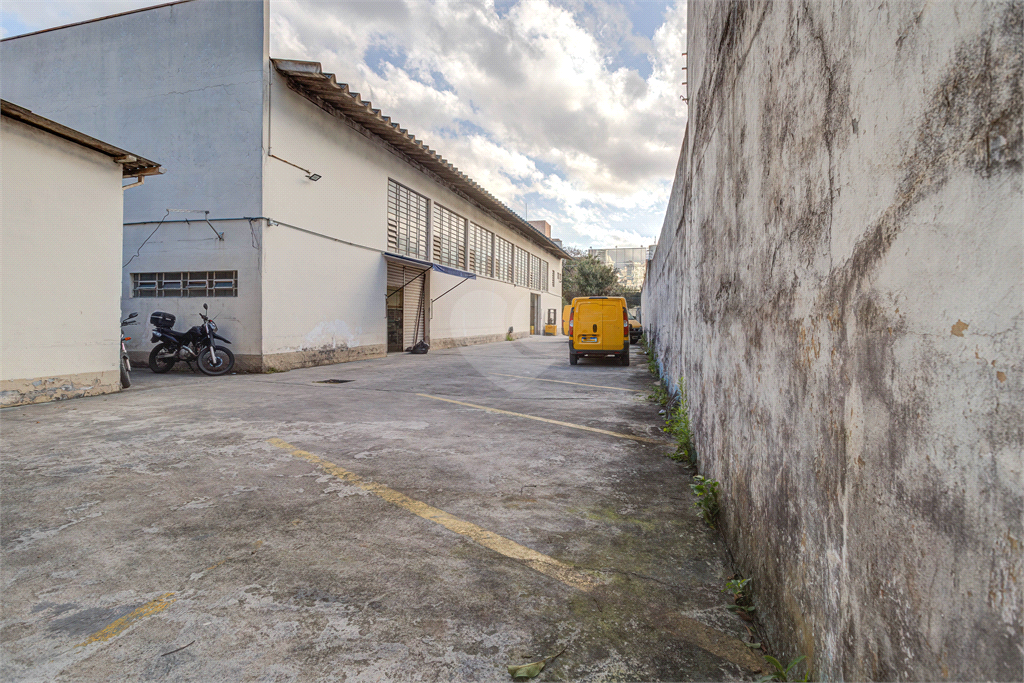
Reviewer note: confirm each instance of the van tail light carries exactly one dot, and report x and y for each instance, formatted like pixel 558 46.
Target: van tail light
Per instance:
pixel 625 323
pixel 572 314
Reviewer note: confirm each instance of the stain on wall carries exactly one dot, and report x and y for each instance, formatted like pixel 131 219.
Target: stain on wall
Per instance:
pixel 839 280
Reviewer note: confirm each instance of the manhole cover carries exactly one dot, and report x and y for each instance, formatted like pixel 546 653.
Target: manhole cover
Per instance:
pixel 332 381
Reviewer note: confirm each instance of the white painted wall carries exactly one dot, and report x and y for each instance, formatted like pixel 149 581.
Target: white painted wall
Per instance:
pixel 320 294
pixel 349 203
pixel 60 250
pixel 182 84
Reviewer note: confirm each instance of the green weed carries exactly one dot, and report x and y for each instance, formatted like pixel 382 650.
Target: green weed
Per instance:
pixel 659 394
pixel 781 673
pixel 678 426
pixel 736 588
pixel 706 491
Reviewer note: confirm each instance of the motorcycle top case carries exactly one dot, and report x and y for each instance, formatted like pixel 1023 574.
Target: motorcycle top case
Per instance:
pixel 161 319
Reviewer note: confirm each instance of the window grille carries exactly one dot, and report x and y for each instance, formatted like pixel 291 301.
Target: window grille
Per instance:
pixel 535 272
pixel 407 221
pixel 449 238
pixel 211 283
pixel 480 250
pixel 502 259
pixel 522 268
pixel 544 276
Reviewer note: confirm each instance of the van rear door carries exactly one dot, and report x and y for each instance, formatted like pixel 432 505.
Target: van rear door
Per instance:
pixel 612 317
pixel 588 324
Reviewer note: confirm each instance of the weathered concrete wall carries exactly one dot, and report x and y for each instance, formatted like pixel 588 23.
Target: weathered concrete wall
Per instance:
pixel 839 278
pixel 60 241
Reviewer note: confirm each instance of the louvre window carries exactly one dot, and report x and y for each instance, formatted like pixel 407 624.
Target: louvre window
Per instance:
pixel 535 272
pixel 449 238
pixel 203 283
pixel 522 268
pixel 544 276
pixel 502 259
pixel 480 250
pixel 407 221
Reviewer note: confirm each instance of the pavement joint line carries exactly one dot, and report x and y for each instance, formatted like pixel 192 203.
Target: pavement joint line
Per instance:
pixel 643 439
pixel 558 381
pixel 560 571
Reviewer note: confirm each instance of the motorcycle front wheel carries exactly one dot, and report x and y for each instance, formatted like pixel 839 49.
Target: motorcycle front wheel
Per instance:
pixel 161 358
pixel 125 379
pixel 209 365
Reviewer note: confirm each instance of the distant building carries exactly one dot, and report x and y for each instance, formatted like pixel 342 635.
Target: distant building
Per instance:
pixel 630 263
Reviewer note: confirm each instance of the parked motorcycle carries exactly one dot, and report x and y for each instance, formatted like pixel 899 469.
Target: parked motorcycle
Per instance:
pixel 126 365
pixel 195 345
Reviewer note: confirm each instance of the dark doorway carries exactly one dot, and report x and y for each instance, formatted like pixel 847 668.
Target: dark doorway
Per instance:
pixel 535 327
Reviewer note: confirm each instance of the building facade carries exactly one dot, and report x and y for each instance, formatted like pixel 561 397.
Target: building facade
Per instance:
pixel 61 249
pixel 630 264
pixel 317 229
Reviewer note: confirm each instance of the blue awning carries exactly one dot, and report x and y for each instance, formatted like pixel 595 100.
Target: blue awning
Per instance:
pixel 426 265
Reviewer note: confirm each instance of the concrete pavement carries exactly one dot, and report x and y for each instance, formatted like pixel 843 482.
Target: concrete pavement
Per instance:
pixel 434 518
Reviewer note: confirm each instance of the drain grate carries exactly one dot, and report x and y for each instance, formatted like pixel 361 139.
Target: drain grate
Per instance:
pixel 333 381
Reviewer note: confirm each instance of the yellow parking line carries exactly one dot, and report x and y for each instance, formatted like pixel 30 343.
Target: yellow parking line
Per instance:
pixel 560 571
pixel 644 439
pixel 122 624
pixel 558 381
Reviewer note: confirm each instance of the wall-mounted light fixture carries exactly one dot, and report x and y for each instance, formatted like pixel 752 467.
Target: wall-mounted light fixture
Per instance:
pixel 309 174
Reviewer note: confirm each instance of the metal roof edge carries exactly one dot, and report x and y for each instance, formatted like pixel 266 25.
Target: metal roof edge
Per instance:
pixel 90 21
pixel 132 165
pixel 373 121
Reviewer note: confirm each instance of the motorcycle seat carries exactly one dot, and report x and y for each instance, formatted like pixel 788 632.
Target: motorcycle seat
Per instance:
pixel 172 333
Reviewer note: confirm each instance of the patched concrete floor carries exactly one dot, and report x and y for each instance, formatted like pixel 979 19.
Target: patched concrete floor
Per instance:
pixel 169 516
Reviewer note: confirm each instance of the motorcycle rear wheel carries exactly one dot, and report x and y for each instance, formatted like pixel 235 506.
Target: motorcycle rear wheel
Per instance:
pixel 206 361
pixel 125 379
pixel 161 359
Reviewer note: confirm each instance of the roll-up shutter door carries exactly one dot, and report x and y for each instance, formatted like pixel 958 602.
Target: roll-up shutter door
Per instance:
pixel 414 313
pixel 412 295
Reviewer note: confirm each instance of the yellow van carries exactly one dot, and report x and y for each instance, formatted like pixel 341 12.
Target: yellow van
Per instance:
pixel 598 326
pixel 565 319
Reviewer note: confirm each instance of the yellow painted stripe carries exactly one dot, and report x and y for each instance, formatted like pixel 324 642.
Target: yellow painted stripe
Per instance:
pixel 558 381
pixel 149 609
pixel 568 575
pixel 549 421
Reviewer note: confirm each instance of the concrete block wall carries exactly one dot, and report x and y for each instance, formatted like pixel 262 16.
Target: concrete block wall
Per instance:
pixel 839 280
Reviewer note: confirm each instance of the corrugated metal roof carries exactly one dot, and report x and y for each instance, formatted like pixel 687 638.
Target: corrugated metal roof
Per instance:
pixel 132 165
pixel 309 80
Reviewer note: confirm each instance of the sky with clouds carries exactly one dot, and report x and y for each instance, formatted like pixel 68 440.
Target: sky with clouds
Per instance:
pixel 566 110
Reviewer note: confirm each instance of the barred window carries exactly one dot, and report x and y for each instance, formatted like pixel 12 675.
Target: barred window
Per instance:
pixel 522 268
pixel 204 283
pixel 449 237
pixel 544 276
pixel 479 250
pixel 502 259
pixel 535 272
pixel 407 221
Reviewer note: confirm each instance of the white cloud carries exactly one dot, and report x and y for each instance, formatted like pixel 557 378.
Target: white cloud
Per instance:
pixel 527 104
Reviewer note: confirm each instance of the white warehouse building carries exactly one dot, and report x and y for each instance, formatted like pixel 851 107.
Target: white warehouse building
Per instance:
pixel 317 230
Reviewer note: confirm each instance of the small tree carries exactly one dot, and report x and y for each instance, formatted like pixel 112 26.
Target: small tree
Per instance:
pixel 584 275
